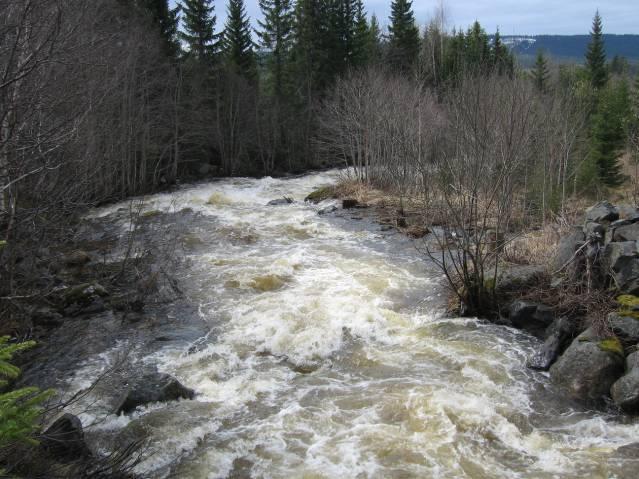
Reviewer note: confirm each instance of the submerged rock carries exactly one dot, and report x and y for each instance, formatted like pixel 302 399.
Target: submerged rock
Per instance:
pixel 64 438
pixel 625 391
pixel 84 294
pixel 588 368
pixel 280 202
pixel 153 387
pixel 327 210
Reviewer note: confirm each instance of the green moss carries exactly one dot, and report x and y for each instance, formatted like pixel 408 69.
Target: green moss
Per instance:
pixel 628 300
pixel 3 243
pixel 320 194
pixel 611 345
pixel 489 284
pixel 150 214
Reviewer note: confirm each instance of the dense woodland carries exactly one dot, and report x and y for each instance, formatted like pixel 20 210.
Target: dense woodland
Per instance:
pixel 105 99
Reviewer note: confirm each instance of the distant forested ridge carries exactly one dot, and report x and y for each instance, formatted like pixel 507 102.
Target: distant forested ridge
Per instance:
pixel 572 46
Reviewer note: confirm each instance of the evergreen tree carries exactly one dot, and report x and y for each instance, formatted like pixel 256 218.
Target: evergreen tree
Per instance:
pixel 477 55
pixel 361 36
pixel 403 35
pixel 502 58
pixel 20 409
pixel 540 72
pixel 596 55
pixel 237 42
pixel 374 41
pixel 277 37
pixel 609 132
pixel 199 29
pixel 310 57
pixel 165 18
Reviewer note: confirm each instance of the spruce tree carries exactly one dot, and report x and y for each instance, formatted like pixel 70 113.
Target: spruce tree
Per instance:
pixel 276 35
pixel 502 58
pixel 362 36
pixel 165 18
pixel 540 72
pixel 374 41
pixel 609 131
pixel 310 55
pixel 403 35
pixel 477 55
pixel 596 55
pixel 237 42
pixel 199 29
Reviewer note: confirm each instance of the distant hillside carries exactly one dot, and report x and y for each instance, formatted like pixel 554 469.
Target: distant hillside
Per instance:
pixel 573 47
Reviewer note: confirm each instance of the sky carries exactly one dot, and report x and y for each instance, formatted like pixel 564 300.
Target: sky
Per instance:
pixel 513 17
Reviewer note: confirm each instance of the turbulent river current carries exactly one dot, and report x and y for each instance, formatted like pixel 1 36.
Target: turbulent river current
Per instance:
pixel 323 350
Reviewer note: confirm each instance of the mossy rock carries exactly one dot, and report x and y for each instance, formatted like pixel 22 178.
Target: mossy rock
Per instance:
pixel 611 345
pixel 151 214
pixel 3 243
pixel 321 194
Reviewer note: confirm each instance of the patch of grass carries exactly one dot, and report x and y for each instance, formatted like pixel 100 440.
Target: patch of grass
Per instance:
pixel 321 194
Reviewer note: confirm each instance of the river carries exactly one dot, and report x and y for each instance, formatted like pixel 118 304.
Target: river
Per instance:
pixel 326 352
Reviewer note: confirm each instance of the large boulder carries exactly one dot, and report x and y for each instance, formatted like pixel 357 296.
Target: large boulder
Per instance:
pixel 558 337
pixel 602 212
pixel 588 368
pixel 628 212
pixel 625 326
pixel 64 438
pixel 567 248
pixel 153 387
pixel 625 391
pixel 520 277
pixel 626 232
pixel 531 317
pixel 621 259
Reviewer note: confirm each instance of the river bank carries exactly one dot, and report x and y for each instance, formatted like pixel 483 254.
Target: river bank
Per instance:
pixel 314 344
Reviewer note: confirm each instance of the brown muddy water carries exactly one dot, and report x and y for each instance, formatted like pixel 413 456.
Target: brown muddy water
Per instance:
pixel 323 351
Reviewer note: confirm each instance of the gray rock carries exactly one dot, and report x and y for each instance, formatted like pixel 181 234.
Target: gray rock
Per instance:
pixel 586 371
pixel 516 278
pixel 625 391
pixel 327 210
pixel 47 317
pixel 626 328
pixel 280 202
pixel 629 450
pixel 603 211
pixel 621 260
pixel 568 245
pixel 153 387
pixel 628 212
pixel 64 438
pixel 629 232
pixel 531 317
pixel 83 294
pixel 558 337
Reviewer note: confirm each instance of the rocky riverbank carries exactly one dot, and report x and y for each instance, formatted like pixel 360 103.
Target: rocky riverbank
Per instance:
pixel 593 359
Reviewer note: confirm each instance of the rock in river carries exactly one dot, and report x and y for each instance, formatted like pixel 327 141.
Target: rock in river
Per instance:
pixel 588 368
pixel 153 387
pixel 625 392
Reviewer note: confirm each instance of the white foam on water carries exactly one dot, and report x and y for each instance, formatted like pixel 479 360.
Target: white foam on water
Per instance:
pixel 331 356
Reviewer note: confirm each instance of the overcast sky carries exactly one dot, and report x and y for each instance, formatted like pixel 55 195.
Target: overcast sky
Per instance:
pixel 530 17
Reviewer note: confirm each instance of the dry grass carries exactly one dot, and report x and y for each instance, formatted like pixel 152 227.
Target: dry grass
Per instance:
pixel 535 247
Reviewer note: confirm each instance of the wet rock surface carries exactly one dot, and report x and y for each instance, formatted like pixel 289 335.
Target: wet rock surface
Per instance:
pixel 586 371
